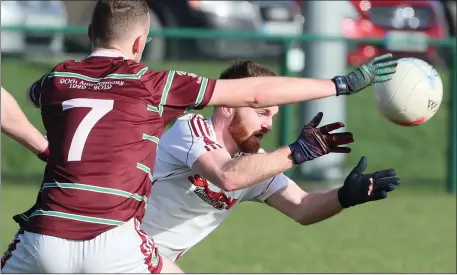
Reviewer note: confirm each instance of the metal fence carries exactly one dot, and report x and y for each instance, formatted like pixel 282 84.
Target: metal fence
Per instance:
pixel 288 42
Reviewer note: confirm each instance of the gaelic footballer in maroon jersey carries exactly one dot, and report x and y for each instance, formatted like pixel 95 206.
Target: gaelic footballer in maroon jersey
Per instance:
pixel 104 117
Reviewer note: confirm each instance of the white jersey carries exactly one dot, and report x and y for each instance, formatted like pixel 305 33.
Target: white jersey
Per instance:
pixel 180 214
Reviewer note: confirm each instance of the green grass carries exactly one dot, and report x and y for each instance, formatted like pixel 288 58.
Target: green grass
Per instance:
pixel 410 233
pixel 414 231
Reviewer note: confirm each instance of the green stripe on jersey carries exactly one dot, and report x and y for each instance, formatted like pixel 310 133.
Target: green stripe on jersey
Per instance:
pixel 98 189
pixel 166 90
pixel 92 79
pixel 145 169
pixel 201 93
pixel 151 138
pixel 141 72
pixel 153 109
pixel 75 217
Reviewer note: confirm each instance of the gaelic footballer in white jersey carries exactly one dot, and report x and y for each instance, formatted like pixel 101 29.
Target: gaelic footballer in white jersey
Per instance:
pixel 184 207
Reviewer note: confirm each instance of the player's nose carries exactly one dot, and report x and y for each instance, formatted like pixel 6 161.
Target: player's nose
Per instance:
pixel 267 127
pixel 268 124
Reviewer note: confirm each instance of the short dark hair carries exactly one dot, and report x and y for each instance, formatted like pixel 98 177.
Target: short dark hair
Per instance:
pixel 245 68
pixel 112 19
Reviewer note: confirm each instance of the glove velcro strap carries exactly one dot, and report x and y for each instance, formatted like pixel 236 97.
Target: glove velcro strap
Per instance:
pixel 344 200
pixel 302 151
pixel 341 85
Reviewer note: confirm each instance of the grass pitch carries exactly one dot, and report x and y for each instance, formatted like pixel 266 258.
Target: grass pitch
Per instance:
pixel 413 231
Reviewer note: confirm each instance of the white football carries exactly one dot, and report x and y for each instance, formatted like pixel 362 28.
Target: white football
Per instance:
pixel 412 96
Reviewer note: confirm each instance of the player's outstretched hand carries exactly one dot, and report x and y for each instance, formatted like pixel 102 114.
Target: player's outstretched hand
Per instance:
pixel 379 69
pixel 314 142
pixel 359 188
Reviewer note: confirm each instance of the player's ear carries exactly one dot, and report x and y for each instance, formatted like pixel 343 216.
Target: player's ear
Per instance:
pixel 228 112
pixel 89 32
pixel 137 45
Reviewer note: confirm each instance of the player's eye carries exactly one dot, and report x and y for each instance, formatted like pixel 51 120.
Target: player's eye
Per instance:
pixel 262 113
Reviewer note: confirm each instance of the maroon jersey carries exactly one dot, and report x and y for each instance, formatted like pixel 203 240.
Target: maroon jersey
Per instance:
pixel 104 117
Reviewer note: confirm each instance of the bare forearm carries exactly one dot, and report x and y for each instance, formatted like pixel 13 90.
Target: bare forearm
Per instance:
pixel 28 136
pixel 283 90
pixel 15 124
pixel 318 206
pixel 252 169
pixel 270 91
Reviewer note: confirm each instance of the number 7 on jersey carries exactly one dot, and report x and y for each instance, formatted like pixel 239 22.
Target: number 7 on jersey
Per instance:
pixel 99 108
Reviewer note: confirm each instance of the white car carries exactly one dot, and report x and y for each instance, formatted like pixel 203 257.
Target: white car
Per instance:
pixel 271 17
pixel 32 14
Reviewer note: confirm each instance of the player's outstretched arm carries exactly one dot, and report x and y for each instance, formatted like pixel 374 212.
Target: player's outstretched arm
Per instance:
pixel 232 174
pixel 270 91
pixel 358 188
pixel 15 124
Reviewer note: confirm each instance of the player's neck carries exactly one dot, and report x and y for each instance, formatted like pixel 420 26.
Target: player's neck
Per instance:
pixel 220 127
pixel 111 52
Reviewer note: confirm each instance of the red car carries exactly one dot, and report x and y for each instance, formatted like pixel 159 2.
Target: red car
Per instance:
pixel 406 25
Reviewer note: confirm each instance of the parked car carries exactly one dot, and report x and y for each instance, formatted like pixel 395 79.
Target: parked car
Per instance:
pixel 405 24
pixel 450 8
pixel 274 17
pixel 269 17
pixel 32 13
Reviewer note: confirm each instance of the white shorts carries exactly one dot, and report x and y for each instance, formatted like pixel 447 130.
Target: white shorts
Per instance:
pixel 124 249
pixel 172 254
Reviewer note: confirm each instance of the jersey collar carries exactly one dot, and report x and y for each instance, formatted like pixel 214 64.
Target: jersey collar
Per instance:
pixel 106 53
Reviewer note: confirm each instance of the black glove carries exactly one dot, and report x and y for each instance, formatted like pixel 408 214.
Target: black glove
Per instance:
pixel 360 188
pixel 314 142
pixel 379 69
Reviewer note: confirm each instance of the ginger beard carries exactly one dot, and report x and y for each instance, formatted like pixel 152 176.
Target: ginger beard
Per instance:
pixel 247 143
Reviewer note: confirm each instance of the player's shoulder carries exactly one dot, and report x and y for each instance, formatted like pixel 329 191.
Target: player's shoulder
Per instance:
pixel 188 128
pixel 188 123
pixel 138 68
pixel 189 117
pixel 144 71
pixel 103 65
pixel 94 66
pixel 67 65
pixel 180 137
